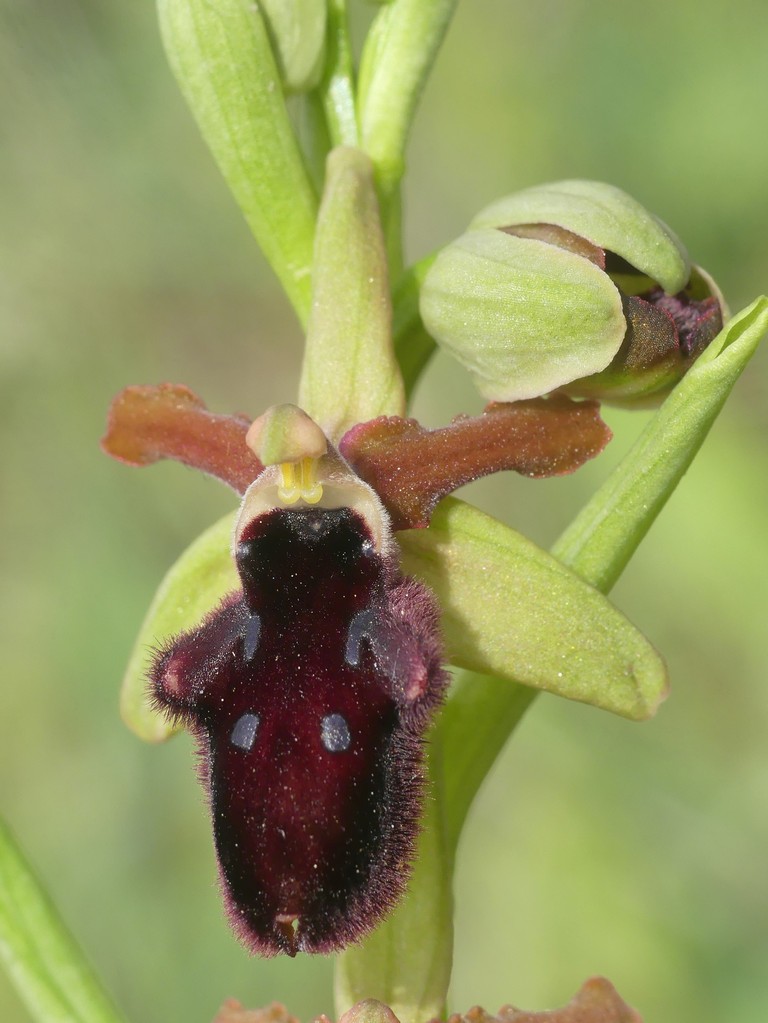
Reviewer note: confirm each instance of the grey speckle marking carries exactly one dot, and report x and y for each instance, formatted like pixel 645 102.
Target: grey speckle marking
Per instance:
pixel 244 733
pixel 251 636
pixel 359 629
pixel 334 733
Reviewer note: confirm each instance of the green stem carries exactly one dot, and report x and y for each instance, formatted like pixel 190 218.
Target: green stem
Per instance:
pixel 338 86
pixel 494 709
pixel 50 972
pixel 414 347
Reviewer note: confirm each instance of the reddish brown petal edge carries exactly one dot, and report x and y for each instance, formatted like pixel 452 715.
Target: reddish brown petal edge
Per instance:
pixel 597 1001
pixel 233 1012
pixel 411 467
pixel 149 423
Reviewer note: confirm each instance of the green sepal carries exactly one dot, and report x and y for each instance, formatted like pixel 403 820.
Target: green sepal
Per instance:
pixel 50 973
pixel 350 373
pixel 522 316
pixel 512 610
pixel 605 534
pixel 221 55
pixel 297 28
pixel 192 588
pixel 605 216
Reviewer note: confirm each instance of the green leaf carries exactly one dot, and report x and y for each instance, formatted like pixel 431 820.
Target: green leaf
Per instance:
pixel 603 537
pixel 195 584
pixel 350 373
pixel 413 345
pixel 221 55
pixel 50 973
pixel 512 610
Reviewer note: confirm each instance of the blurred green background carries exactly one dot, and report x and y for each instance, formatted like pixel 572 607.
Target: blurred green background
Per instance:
pixel 597 846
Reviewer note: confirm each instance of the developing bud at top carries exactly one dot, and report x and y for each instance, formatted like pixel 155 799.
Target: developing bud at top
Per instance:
pixel 297 32
pixel 571 286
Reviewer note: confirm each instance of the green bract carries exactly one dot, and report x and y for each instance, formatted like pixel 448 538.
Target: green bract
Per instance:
pixel 221 55
pixel 350 373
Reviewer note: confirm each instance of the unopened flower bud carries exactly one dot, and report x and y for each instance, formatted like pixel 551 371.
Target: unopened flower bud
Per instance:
pixel 571 286
pixel 297 31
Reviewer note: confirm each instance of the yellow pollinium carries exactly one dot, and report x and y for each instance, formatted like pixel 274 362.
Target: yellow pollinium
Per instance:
pixel 298 482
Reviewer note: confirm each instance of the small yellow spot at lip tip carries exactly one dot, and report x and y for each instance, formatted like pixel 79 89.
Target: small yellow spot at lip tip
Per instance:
pixel 287 925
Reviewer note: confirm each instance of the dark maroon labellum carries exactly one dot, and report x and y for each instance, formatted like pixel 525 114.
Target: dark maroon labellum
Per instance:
pixel 309 693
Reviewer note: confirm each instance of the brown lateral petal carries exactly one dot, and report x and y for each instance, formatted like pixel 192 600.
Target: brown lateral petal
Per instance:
pixel 411 467
pixel 146 424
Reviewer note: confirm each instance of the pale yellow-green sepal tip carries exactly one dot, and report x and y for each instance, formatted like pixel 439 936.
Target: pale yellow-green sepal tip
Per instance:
pixel 285 433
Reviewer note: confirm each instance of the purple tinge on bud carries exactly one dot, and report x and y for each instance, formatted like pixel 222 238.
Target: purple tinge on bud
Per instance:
pixel 695 321
pixel 665 334
pixel 309 693
pixel 664 337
